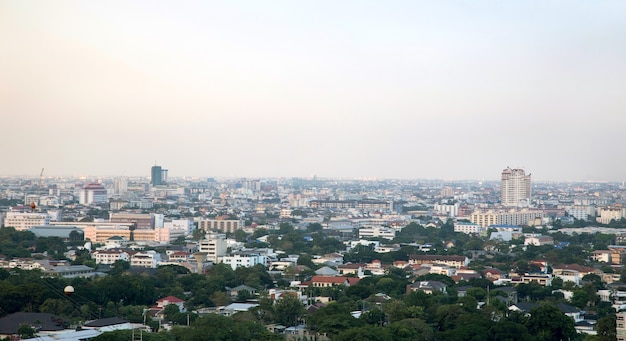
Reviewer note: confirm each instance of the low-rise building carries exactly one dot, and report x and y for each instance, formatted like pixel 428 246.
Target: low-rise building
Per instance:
pixel 452 261
pixel 110 256
pixel 244 259
pixel 377 232
pixel 24 221
pixel 214 245
pixel 467 227
pixel 428 287
pixel 538 240
pixel 329 281
pixel 146 259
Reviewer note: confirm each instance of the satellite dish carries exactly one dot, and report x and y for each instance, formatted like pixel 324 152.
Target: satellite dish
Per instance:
pixel 68 290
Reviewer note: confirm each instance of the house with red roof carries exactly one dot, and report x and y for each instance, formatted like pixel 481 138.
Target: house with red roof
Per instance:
pixel 329 281
pixel 157 311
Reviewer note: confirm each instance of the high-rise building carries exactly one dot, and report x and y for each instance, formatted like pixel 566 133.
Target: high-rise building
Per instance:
pixel 156 176
pixel 120 185
pixel 92 193
pixel 515 189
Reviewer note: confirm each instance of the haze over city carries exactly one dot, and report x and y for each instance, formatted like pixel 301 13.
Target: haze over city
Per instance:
pixel 446 90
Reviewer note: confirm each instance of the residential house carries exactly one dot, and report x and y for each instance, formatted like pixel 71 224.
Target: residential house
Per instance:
pixel 108 324
pixel 165 301
pixel 541 279
pixel 108 257
pixel 332 259
pixel 326 271
pixel 566 309
pixel 452 261
pixel 428 287
pixel 329 281
pixel 234 308
pixel 538 240
pixel 146 259
pixel 44 322
pixel 234 292
pixel 351 269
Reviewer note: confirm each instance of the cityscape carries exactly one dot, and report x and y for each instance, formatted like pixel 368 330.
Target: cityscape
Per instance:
pixel 312 170
pixel 306 245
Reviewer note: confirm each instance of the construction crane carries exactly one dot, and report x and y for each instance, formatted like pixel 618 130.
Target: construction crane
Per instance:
pixel 33 205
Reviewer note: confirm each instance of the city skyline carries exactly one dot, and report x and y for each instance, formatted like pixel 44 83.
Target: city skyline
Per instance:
pixel 357 89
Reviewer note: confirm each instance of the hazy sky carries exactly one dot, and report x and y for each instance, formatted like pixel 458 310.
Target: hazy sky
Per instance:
pixel 386 89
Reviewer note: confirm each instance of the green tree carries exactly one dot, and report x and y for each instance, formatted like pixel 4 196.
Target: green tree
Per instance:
pixel 25 331
pixel 314 227
pixel 374 316
pixel 244 295
pixel 505 330
pixel 547 322
pixel 288 310
pixel 367 332
pixel 580 298
pixel 333 319
pixel 606 328
pixel 413 329
pixel 396 310
pixel 119 267
pixel 241 236
pixel 61 307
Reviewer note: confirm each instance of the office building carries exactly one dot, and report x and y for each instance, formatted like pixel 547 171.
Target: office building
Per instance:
pixel 141 220
pixel 120 185
pixel 158 176
pixel 92 193
pixel 515 189
pixel 24 221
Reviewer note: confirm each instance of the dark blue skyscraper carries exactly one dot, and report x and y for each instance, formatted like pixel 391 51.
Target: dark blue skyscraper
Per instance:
pixel 156 178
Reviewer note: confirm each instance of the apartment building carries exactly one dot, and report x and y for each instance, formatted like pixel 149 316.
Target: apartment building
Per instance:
pixel 607 214
pixel 467 228
pixel 244 259
pixel 109 257
pixel 24 221
pixel 515 188
pixel 214 245
pixel 222 225
pixel 486 218
pixel 145 259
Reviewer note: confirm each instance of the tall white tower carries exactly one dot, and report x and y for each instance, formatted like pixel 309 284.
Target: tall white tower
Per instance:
pixel 515 189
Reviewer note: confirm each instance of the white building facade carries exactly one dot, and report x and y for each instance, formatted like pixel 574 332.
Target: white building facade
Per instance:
pixel 24 221
pixel 214 245
pixel 246 260
pixel 375 232
pixel 515 190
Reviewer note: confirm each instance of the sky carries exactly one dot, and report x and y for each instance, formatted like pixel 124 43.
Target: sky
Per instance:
pixel 350 89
